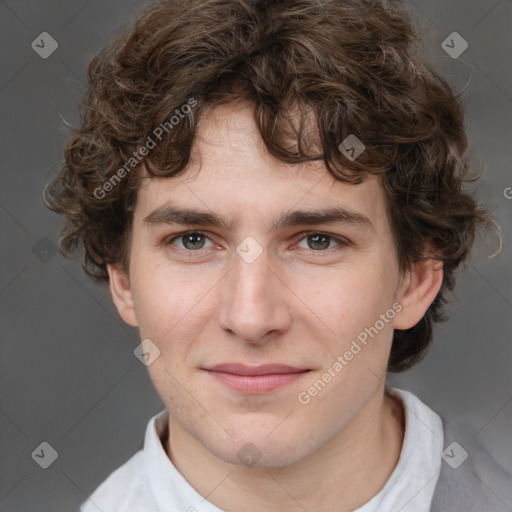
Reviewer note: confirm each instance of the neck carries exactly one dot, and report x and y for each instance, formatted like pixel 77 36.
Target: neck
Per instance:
pixel 362 458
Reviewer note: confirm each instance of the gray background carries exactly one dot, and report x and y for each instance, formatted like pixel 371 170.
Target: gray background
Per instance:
pixel 68 375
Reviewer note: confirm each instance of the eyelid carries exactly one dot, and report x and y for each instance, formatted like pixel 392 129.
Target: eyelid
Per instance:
pixel 340 240
pixel 177 236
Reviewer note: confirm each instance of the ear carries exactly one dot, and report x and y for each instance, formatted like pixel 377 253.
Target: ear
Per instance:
pixel 122 294
pixel 418 291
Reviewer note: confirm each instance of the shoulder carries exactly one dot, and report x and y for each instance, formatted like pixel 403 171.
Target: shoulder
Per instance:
pixel 124 490
pixel 470 479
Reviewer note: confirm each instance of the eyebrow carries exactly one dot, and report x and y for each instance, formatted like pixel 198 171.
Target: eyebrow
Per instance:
pixel 169 214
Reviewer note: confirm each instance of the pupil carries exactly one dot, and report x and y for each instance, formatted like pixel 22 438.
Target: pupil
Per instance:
pixel 193 239
pixel 315 239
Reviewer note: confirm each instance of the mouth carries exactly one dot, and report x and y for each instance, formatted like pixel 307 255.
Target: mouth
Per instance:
pixel 255 379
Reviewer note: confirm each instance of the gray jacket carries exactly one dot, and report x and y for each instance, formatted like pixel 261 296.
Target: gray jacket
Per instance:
pixel 479 484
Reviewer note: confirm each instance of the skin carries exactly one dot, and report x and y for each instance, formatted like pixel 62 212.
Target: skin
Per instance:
pixel 296 304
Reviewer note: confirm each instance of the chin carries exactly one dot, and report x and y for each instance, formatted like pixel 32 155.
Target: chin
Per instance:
pixel 256 448
pixel 250 456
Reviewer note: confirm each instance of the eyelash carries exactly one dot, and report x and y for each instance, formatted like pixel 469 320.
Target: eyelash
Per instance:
pixel 342 242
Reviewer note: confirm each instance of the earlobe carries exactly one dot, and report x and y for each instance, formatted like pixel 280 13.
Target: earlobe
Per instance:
pixel 121 292
pixel 419 291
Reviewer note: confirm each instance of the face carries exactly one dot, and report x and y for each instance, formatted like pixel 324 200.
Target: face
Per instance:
pixel 254 283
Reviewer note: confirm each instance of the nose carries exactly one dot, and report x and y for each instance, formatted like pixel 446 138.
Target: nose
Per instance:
pixel 254 304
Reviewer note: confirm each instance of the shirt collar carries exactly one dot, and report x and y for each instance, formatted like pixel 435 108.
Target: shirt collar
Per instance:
pixel 417 465
pixel 171 491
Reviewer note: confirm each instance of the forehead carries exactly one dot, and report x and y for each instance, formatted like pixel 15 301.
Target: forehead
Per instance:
pixel 232 173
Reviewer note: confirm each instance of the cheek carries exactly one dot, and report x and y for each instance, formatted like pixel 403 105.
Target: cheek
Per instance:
pixel 348 298
pixel 162 298
pixel 349 306
pixel 172 307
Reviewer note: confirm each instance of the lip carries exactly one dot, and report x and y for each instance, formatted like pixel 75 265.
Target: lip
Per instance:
pixel 255 379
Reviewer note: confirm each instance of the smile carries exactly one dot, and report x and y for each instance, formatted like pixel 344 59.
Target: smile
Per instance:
pixel 256 379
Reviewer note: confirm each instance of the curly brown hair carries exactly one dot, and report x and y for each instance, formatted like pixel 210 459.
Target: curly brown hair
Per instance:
pixel 348 63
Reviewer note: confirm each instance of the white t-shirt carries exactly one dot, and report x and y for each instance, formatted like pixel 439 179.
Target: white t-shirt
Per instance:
pixel 149 481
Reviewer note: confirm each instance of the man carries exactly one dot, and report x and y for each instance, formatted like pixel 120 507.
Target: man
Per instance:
pixel 273 192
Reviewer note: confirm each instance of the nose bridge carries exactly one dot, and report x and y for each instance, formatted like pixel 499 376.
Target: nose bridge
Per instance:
pixel 250 283
pixel 252 303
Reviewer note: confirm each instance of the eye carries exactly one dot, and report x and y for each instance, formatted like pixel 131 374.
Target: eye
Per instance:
pixel 190 240
pixel 319 242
